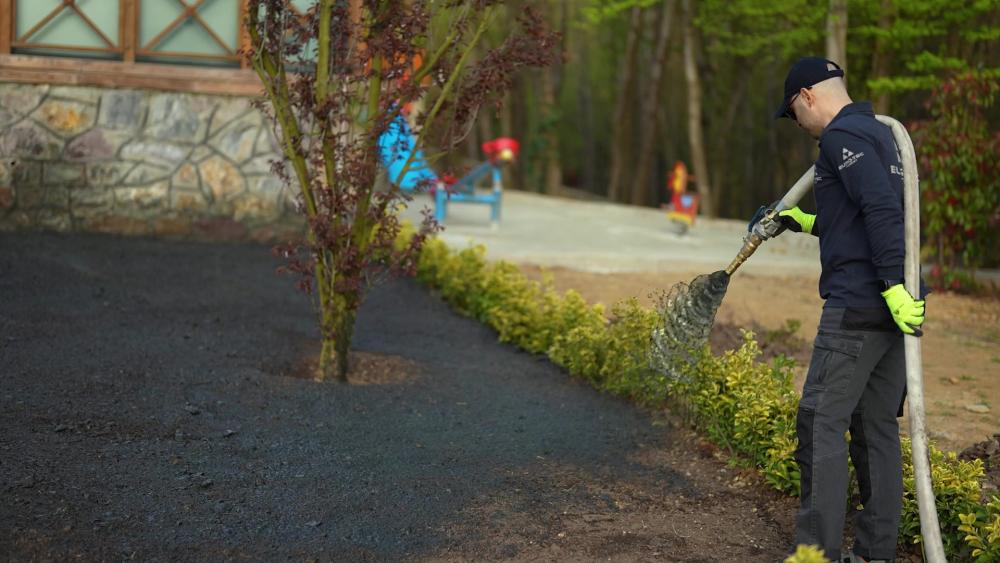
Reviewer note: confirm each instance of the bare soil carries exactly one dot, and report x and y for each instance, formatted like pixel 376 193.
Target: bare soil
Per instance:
pixel 989 452
pixel 154 406
pixel 961 345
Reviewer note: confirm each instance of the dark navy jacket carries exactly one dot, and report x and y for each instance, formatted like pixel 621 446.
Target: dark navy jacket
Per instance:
pixel 859 209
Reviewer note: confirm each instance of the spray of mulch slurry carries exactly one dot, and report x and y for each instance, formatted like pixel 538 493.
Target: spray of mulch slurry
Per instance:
pixel 686 314
pixel 687 311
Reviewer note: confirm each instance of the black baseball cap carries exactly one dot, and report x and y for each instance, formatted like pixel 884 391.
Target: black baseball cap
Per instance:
pixel 806 72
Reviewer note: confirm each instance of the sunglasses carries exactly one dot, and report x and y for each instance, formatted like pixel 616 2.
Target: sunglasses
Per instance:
pixel 791 112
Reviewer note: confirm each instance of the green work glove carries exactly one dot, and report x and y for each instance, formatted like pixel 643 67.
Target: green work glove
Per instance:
pixel 906 311
pixel 797 220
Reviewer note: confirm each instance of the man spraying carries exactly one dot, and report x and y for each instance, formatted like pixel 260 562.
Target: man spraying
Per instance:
pixel 857 376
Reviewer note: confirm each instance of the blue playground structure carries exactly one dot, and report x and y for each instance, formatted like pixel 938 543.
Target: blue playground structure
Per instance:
pixel 396 146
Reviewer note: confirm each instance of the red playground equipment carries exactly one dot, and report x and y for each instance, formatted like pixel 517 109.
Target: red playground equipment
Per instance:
pixel 683 205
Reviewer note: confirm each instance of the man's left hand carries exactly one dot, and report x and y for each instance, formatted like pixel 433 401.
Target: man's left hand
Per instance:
pixel 906 311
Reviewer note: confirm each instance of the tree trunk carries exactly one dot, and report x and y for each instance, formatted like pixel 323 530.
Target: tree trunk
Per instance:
pixel 337 324
pixel 724 143
pixel 485 134
pixel 585 101
pixel 749 173
pixel 640 188
pixel 619 130
pixel 523 126
pixel 836 33
pixel 552 181
pixel 328 361
pixel 702 180
pixel 881 59
pixel 507 130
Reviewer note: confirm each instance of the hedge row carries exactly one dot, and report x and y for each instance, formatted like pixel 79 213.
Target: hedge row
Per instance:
pixel 742 404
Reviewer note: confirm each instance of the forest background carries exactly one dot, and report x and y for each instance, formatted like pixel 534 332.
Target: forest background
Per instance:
pixel 645 83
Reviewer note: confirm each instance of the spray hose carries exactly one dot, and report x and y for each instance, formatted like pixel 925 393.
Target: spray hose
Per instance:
pixel 768 226
pixel 930 530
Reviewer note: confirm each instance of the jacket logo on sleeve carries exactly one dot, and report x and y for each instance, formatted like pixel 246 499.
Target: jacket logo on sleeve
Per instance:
pixel 849 158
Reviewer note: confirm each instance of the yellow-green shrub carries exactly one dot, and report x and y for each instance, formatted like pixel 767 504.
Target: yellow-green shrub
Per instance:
pixel 747 406
pixel 626 367
pixel 807 554
pixel 956 493
pixel 509 303
pixel 580 338
pixel 982 529
pixel 742 404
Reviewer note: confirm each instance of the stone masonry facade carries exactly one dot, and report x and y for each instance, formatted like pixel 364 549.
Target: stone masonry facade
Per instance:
pixel 139 163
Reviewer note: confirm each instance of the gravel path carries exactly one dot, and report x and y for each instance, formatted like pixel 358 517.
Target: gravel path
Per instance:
pixel 141 416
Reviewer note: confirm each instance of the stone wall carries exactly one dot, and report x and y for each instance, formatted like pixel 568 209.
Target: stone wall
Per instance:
pixel 138 162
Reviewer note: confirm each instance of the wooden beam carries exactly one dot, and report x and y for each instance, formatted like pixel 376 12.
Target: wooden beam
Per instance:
pixel 71 49
pixel 127 28
pixel 6 25
pixel 187 56
pixel 244 41
pixel 109 74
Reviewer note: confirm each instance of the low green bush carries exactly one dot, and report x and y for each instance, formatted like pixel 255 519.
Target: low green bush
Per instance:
pixel 747 406
pixel 807 554
pixel 982 531
pixel 741 403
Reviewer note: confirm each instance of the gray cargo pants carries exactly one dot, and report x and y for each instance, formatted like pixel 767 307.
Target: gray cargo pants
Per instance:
pixel 856 382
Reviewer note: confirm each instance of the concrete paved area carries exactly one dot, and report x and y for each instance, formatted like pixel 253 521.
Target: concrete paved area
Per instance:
pixel 603 237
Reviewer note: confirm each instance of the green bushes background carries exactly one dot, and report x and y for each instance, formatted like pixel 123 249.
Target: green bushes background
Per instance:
pixel 742 404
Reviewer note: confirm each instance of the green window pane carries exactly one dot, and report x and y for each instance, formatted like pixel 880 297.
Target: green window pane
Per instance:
pixel 68 28
pixel 190 36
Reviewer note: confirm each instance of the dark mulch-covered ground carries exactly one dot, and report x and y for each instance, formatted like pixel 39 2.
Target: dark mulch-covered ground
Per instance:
pixel 147 411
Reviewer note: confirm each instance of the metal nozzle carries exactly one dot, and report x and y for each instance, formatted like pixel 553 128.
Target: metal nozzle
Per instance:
pixel 750 244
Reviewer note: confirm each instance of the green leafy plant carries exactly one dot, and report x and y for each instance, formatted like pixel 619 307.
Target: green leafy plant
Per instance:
pixel 956 492
pixel 336 78
pixel 807 554
pixel 982 529
pixel 960 179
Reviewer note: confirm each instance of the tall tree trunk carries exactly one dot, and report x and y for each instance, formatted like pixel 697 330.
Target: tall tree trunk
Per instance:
pixel 551 82
pixel 623 97
pixel 777 162
pixel 881 58
pixel 836 33
pixel 585 101
pixel 695 135
pixel 485 126
pixel 337 325
pixel 640 188
pixel 507 130
pixel 749 173
pixel 506 117
pixel 552 179
pixel 525 126
pixel 724 142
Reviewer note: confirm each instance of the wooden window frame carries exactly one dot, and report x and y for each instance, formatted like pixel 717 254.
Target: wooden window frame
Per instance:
pixel 188 13
pixel 66 5
pixel 126 72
